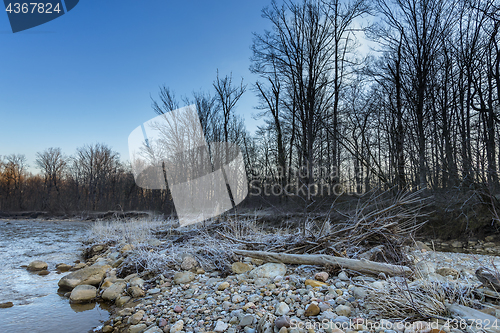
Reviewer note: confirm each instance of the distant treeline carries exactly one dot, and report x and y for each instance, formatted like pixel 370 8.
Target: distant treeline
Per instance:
pixel 421 111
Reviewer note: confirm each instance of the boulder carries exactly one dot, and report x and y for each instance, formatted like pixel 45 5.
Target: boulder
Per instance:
pixel 37 265
pixel 92 275
pixel 269 270
pixel 83 294
pixel 114 291
pixel 120 301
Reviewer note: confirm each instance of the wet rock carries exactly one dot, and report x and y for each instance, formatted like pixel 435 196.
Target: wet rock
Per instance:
pixel 312 310
pixel 6 305
pixel 37 265
pixel 78 266
pixel 321 276
pixel 241 267
pixel 63 267
pixel 83 294
pixel 269 271
pixel 43 272
pixel 92 275
pixel 107 329
pixel 120 301
pixel 114 291
pixel 184 277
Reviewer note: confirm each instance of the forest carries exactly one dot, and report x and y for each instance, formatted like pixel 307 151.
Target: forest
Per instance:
pixel 419 111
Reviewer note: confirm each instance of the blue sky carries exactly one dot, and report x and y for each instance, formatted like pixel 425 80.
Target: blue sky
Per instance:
pixel 87 76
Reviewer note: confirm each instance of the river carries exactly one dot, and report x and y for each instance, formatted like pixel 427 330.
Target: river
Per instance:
pixel 38 306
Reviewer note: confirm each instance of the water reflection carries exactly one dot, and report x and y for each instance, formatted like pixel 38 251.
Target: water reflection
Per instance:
pixel 38 307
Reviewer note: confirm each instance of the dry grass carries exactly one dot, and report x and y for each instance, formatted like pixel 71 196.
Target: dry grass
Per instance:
pixel 421 299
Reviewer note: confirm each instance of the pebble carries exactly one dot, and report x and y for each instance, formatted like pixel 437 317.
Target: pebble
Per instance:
pixel 321 276
pixel 283 321
pixel 312 310
pixel 220 326
pixel 223 286
pixel 282 309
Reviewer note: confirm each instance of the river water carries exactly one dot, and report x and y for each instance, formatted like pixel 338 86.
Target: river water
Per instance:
pixel 38 306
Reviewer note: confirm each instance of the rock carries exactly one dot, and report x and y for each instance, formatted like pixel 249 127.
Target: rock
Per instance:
pixel 154 291
pixel 332 328
pixel 282 309
pixel 446 271
pixel 220 326
pixel 37 265
pixel 135 292
pixel 422 246
pixel 247 320
pixel 63 267
pixel 120 301
pixel 43 272
pixel 136 282
pixel 78 266
pixel 184 277
pixel 314 283
pixel 6 305
pixel 162 322
pixel 223 286
pixel 326 315
pixel 269 271
pixel 189 262
pixel 359 292
pixel 456 244
pixel 241 267
pixel 237 299
pixel 343 310
pixel 88 275
pixel 343 276
pixel 106 284
pixel 107 329
pixel 83 294
pixel 154 329
pixel 137 328
pixel 177 309
pixel 136 317
pixel 95 249
pixel 283 330
pixel 283 321
pixel 126 248
pixel 312 310
pixel 177 326
pixel 321 276
pixel 256 262
pixel 114 291
pixel 418 327
pixel 266 323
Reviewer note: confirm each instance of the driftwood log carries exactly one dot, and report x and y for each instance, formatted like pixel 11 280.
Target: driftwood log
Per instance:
pixel 489 278
pixel 362 266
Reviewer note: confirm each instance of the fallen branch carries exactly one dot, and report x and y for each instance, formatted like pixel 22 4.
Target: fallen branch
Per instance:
pixel 362 266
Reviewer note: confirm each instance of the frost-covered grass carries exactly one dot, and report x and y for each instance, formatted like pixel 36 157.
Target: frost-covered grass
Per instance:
pixel 132 231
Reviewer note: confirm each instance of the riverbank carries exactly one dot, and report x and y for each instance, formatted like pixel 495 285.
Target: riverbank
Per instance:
pixel 163 279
